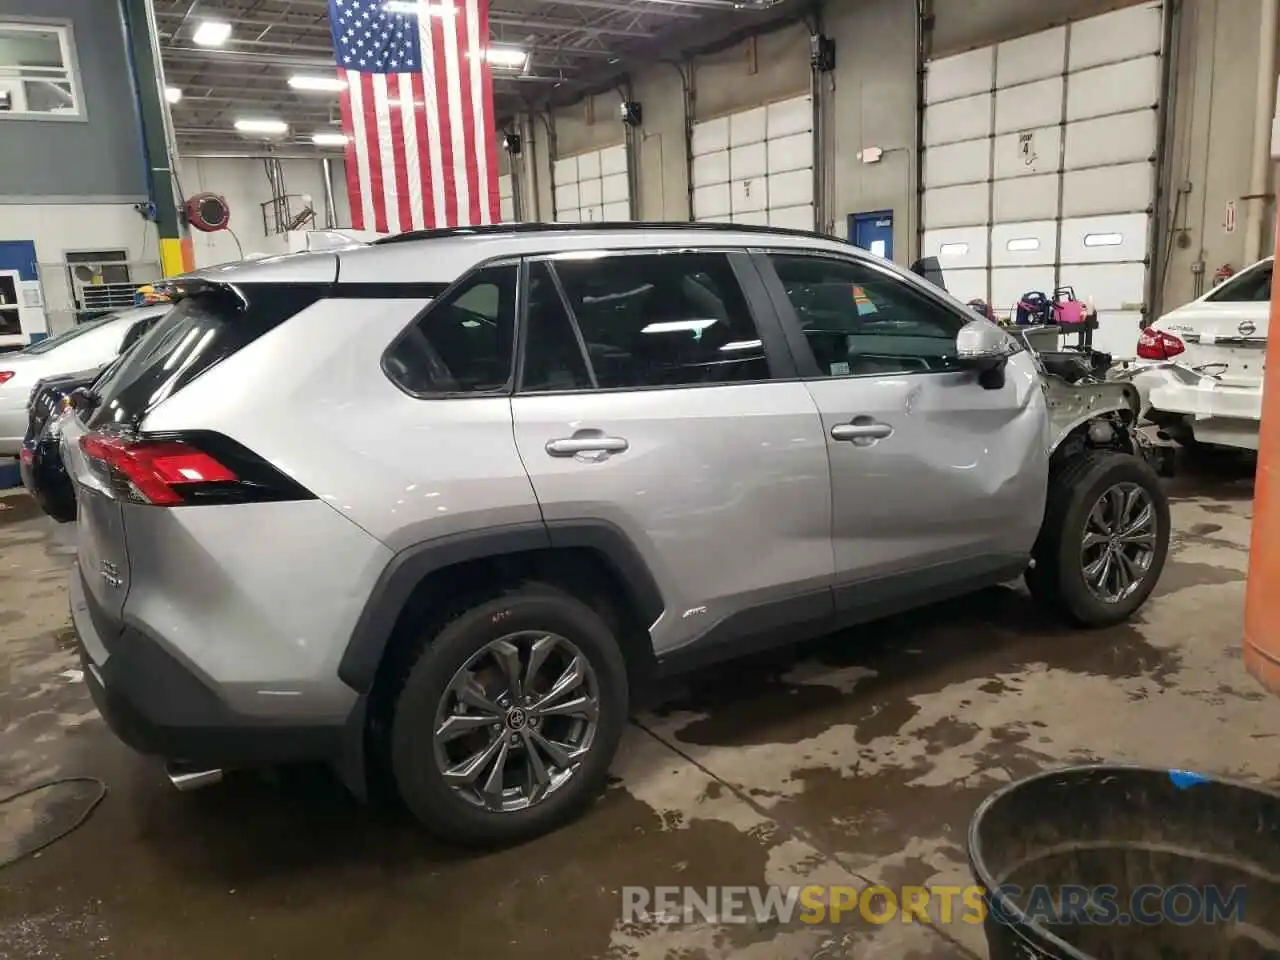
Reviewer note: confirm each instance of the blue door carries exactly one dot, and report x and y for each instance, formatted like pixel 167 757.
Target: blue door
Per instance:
pixel 17 265
pixel 873 231
pixel 19 255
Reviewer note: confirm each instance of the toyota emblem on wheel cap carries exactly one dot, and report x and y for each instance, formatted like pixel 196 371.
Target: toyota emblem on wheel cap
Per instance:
pixel 1246 328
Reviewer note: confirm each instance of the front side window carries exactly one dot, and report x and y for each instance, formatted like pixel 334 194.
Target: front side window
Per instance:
pixel 859 321
pixel 37 72
pixel 663 320
pixel 463 342
pixel 1251 286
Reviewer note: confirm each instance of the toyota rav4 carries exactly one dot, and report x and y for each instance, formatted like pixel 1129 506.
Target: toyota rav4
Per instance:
pixel 436 507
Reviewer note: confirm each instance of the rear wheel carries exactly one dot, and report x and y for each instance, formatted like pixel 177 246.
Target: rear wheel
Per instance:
pixel 1104 540
pixel 509 718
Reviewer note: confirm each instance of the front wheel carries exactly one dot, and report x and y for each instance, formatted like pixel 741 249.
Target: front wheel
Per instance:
pixel 1104 540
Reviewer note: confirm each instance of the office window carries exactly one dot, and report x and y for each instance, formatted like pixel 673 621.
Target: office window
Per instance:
pixel 37 72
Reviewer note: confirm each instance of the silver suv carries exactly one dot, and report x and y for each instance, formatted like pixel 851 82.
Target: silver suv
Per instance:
pixel 437 506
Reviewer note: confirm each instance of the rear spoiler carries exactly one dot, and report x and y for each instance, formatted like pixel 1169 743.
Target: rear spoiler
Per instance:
pixel 929 268
pixel 182 288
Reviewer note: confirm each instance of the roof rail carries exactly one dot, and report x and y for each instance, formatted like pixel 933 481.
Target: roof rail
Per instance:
pixel 626 225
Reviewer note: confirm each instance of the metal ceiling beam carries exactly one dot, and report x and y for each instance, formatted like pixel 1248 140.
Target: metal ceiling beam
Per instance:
pixel 247 56
pixel 496 18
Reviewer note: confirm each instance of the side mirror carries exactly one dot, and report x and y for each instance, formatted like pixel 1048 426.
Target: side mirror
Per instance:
pixel 985 348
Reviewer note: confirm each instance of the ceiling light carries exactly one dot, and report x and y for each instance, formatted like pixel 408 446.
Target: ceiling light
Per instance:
pixel 511 57
pixel 212 33
pixel 301 81
pixel 330 139
pixel 173 94
pixel 261 126
pixel 420 8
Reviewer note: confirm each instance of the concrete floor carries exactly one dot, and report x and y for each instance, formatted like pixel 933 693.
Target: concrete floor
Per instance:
pixel 857 759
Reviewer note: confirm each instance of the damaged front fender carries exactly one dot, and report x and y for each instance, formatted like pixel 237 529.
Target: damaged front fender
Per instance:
pixel 1073 404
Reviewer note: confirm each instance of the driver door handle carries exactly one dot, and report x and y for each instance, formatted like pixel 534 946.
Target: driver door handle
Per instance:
pixel 861 430
pixel 572 446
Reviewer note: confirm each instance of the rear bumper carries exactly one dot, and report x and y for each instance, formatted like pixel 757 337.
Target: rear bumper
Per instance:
pixel 1210 411
pixel 158 707
pixel 46 479
pixel 1207 400
pixel 13 426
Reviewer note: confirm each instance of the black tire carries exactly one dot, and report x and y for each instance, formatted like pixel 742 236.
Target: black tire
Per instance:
pixel 417 776
pixel 1057 580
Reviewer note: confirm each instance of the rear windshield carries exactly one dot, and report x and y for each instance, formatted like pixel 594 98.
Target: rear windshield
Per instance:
pixel 75 333
pixel 1251 286
pixel 199 333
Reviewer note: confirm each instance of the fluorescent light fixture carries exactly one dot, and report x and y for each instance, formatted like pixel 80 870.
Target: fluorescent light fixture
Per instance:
pixel 512 58
pixel 680 326
pixel 743 345
pixel 212 33
pixel 173 94
pixel 329 139
pixel 261 126
pixel 953 249
pixel 303 81
pixel 1022 244
pixel 1103 239
pixel 420 8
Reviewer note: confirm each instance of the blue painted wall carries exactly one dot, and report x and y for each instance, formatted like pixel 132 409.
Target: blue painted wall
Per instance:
pixel 99 156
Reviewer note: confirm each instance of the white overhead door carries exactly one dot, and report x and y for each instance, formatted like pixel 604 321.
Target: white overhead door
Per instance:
pixel 593 187
pixel 1040 166
pixel 756 167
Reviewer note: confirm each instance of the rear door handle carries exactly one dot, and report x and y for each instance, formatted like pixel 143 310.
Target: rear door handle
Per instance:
pixel 572 446
pixel 862 430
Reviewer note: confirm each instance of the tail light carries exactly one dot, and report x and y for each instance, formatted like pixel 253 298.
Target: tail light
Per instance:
pixel 177 471
pixel 6 376
pixel 1157 345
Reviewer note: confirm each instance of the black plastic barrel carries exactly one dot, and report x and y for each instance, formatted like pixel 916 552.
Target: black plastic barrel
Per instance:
pixel 1128 863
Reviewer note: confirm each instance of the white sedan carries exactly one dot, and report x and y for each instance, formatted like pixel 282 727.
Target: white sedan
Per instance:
pixel 86 347
pixel 1206 361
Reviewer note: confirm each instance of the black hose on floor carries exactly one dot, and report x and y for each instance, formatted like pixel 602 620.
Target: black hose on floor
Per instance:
pixel 79 822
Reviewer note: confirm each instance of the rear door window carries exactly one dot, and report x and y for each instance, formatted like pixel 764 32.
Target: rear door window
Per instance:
pixel 197 334
pixel 663 320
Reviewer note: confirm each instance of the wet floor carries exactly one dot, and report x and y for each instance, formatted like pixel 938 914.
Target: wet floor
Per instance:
pixel 854 760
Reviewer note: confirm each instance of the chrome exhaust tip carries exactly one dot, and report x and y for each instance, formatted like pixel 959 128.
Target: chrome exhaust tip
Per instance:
pixel 186 779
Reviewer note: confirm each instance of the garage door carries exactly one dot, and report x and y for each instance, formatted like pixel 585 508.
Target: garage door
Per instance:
pixel 756 167
pixel 1040 166
pixel 593 187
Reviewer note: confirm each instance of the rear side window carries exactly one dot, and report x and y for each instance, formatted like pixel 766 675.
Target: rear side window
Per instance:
pixel 464 341
pixel 197 334
pixel 1252 286
pixel 663 320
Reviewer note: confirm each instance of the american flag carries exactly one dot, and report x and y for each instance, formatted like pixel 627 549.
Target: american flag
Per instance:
pixel 418 113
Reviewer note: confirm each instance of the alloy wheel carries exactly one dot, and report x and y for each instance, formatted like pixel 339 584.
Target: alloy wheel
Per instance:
pixel 516 721
pixel 1119 542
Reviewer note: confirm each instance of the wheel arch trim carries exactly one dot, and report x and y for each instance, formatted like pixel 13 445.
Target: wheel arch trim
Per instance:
pixel 408 568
